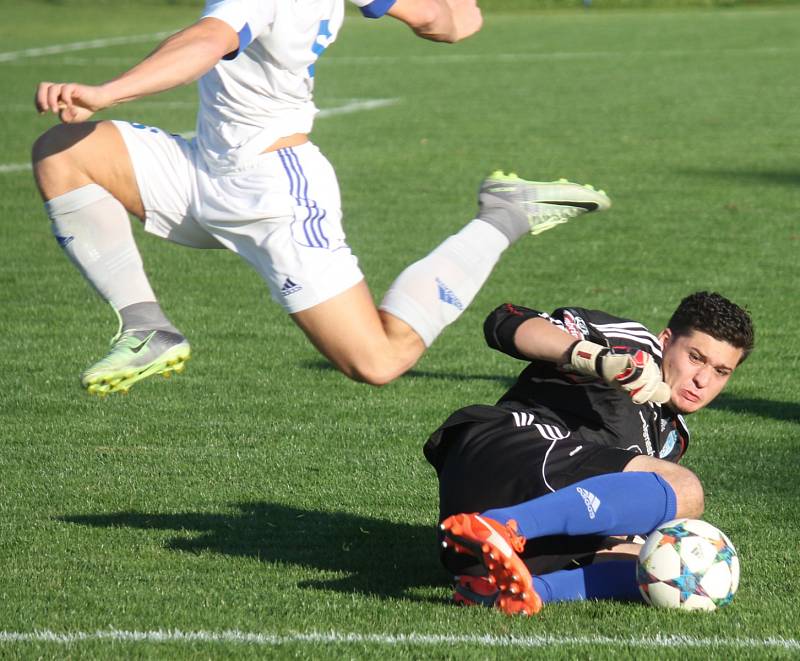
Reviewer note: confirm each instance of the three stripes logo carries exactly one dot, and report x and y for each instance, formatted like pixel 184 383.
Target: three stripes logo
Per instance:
pixel 310 230
pixel 551 432
pixel 522 419
pixel 290 287
pixel 591 501
pixel 64 241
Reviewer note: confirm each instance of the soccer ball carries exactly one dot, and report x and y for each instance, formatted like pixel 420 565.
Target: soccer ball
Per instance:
pixel 688 564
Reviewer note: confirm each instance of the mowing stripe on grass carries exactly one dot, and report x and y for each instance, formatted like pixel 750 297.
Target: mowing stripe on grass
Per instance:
pixel 55 49
pixel 11 56
pixel 354 106
pixel 269 639
pixel 458 58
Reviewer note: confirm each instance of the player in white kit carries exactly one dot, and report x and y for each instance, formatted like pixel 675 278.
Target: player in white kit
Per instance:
pixel 252 182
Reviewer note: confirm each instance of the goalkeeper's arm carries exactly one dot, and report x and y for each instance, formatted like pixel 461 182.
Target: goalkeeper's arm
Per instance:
pixel 522 333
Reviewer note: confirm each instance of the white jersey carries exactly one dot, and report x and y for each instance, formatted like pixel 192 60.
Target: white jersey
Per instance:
pixel 263 91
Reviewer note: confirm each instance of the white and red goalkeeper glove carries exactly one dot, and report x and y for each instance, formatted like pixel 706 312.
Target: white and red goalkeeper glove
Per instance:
pixel 633 370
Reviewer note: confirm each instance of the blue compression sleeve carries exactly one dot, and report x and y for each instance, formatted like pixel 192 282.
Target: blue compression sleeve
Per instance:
pixel 611 504
pixel 615 579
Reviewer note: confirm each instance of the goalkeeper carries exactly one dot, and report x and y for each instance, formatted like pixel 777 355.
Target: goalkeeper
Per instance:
pixel 581 452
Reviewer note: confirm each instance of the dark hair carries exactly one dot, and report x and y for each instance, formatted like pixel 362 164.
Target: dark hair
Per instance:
pixel 715 315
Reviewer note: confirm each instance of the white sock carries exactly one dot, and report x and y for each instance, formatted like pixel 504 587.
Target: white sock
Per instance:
pixel 93 229
pixel 433 292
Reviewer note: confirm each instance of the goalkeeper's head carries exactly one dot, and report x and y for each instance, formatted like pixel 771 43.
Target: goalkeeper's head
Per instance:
pixel 715 315
pixel 706 338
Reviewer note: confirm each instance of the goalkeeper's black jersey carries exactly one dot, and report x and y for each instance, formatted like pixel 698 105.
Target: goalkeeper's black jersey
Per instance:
pixel 588 407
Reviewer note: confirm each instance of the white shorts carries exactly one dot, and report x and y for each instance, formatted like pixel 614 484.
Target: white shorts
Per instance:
pixel 283 216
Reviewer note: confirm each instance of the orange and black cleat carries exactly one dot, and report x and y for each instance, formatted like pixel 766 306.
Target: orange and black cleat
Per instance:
pixel 496 546
pixel 475 591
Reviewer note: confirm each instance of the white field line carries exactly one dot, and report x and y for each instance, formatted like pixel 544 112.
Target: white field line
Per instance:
pixel 356 105
pixel 55 49
pixel 412 639
pixel 14 167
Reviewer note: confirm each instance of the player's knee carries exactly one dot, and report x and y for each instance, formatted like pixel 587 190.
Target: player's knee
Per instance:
pixel 374 371
pixel 52 153
pixel 373 375
pixel 689 493
pixel 691 496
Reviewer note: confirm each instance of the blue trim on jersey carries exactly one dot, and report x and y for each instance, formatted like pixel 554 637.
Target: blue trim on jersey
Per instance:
pixel 245 39
pixel 377 8
pixel 298 189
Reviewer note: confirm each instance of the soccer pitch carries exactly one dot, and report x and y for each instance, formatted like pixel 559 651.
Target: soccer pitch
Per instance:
pixel 260 505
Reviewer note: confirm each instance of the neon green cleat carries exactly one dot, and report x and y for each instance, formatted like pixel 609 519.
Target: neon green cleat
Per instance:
pixel 135 355
pixel 516 206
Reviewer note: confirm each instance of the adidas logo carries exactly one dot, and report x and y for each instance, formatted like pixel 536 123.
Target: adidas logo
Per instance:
pixel 64 241
pixel 288 288
pixel 592 502
pixel 447 295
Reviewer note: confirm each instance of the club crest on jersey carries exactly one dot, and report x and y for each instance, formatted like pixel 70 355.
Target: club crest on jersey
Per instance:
pixel 669 444
pixel 575 326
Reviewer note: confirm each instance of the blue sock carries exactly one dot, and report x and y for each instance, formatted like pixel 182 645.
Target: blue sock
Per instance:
pixel 615 579
pixel 611 504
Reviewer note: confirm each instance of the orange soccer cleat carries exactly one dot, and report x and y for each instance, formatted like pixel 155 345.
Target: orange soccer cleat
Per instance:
pixel 475 591
pixel 496 546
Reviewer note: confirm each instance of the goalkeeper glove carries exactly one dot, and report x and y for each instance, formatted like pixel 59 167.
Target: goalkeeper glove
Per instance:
pixel 633 370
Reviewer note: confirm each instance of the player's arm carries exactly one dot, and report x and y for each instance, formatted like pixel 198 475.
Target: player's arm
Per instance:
pixel 527 334
pixel 180 59
pixel 439 20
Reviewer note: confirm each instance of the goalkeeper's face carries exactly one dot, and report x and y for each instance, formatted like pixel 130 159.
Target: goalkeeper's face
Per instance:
pixel 696 368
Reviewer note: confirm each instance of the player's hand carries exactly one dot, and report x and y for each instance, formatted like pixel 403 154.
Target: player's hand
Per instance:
pixel 72 102
pixel 633 370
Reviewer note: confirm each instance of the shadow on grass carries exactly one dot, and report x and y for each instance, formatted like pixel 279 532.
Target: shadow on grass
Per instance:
pixel 381 558
pixel 763 177
pixel 507 381
pixel 765 408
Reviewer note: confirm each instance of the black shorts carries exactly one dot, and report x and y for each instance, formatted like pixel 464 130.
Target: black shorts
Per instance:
pixel 488 457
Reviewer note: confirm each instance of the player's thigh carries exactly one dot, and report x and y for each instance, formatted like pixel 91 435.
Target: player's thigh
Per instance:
pixel 490 465
pixel 165 167
pixel 69 156
pixel 349 331
pixel 690 499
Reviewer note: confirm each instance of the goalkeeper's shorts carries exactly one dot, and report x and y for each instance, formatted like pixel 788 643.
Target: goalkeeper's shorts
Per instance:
pixel 494 457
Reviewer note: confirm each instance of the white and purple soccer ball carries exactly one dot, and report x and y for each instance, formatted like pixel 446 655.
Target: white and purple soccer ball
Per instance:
pixel 688 564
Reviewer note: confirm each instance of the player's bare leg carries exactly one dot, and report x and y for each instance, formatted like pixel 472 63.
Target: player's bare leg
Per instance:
pixel 69 156
pixel 376 346
pixel 365 344
pixel 86 178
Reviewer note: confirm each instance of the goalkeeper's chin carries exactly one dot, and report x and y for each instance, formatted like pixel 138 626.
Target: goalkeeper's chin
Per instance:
pixel 686 401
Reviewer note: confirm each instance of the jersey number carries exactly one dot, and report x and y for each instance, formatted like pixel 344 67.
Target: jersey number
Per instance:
pixel 321 42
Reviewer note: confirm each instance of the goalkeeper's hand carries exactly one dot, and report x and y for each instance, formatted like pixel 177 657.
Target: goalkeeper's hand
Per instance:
pixel 631 369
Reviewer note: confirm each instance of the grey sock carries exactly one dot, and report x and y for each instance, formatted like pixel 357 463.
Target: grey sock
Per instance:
pixel 503 215
pixel 145 316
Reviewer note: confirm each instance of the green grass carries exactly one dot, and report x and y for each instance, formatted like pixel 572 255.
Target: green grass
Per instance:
pixel 262 492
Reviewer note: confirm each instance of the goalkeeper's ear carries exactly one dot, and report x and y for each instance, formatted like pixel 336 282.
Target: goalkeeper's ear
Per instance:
pixel 665 337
